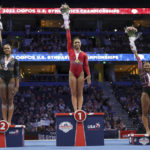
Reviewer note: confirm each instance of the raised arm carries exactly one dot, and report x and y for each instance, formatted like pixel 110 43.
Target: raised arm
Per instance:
pixel 131 31
pixel 136 55
pixel 65 13
pixel 0 37
pixel 69 46
pixel 1 28
pixel 134 50
pixel 140 65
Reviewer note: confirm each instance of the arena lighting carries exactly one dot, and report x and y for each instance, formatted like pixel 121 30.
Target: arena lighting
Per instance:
pixel 94 11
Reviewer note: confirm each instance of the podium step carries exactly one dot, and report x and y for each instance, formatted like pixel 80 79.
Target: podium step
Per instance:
pixel 11 137
pixel 139 139
pixel 70 132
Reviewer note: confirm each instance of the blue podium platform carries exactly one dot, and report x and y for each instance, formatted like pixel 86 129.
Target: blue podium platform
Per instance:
pixel 139 139
pixel 70 132
pixel 13 137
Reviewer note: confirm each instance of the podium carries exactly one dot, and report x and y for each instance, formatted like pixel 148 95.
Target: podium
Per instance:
pixel 70 131
pixel 13 136
pixel 139 139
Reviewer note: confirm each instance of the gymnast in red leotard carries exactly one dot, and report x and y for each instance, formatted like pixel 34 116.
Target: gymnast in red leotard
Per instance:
pixel 78 63
pixel 78 58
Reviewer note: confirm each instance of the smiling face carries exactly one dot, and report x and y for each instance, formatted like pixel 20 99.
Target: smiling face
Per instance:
pixel 7 49
pixel 77 44
pixel 146 67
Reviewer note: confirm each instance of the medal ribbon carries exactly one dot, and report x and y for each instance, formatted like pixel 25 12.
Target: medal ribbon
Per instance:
pixel 77 54
pixel 7 61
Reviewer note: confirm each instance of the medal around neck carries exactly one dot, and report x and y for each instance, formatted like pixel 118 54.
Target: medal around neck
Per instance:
pixel 6 63
pixel 77 60
pixel 5 66
pixel 77 56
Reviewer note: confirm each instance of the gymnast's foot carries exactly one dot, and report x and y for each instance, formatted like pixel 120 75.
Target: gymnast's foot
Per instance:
pixel 148 132
pixel 9 122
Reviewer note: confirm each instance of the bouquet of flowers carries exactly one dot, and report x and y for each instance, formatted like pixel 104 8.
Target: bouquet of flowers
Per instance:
pixel 65 13
pixel 64 9
pixel 131 31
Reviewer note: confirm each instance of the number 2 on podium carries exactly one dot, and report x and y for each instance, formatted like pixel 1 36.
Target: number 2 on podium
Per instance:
pixel 2 126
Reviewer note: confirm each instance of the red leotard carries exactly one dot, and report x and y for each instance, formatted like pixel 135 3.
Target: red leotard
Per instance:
pixel 77 68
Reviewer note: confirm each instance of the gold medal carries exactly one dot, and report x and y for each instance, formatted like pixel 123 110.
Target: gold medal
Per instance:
pixel 77 60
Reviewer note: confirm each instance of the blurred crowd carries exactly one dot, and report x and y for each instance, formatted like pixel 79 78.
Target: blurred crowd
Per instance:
pixel 95 41
pixel 46 78
pixel 35 107
pixel 129 96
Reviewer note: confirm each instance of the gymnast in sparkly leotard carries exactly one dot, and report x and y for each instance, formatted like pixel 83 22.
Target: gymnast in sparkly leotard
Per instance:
pixel 144 73
pixel 78 64
pixel 9 79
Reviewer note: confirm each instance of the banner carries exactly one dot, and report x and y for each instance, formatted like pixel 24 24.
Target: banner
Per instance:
pixel 124 134
pixel 51 135
pixel 94 11
pixel 56 56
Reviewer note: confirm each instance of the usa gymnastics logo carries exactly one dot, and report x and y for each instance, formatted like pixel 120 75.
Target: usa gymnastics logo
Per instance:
pixel 144 141
pixel 14 132
pixel 95 126
pixel 65 126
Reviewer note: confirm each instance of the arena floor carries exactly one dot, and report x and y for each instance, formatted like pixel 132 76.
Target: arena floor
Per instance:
pixel 115 144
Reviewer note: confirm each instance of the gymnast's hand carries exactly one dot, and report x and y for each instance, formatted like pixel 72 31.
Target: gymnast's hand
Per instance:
pixel 88 78
pixel 15 90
